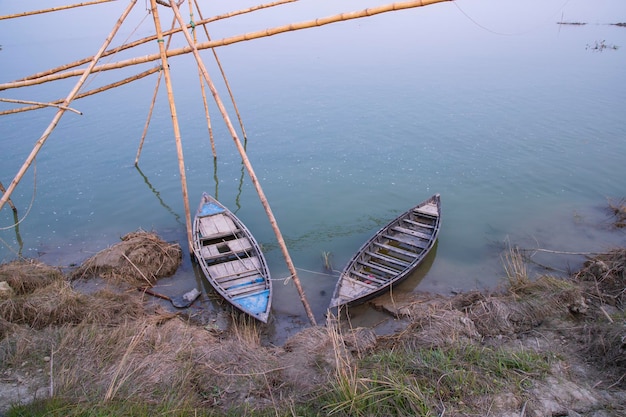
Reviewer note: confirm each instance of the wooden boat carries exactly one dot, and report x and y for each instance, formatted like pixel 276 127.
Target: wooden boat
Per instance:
pixel 231 259
pixel 390 255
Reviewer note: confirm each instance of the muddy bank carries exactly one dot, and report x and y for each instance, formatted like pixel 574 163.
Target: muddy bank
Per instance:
pixel 116 343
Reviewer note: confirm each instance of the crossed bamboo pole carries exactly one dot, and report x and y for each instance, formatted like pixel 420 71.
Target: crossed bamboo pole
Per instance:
pixel 55 120
pixel 228 41
pixel 151 38
pixel 82 95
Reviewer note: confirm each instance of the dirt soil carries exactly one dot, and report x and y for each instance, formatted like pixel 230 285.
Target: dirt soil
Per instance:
pixel 55 338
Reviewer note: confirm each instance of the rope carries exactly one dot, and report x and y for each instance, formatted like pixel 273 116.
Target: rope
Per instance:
pixel 502 33
pixel 288 278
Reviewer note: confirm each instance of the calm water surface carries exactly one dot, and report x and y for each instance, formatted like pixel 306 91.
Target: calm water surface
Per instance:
pixel 515 120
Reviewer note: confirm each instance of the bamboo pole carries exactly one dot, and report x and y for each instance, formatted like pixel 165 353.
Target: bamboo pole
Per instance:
pixel 231 40
pixel 53 9
pixel 248 166
pixel 4 190
pixel 88 93
pixel 154 97
pixel 40 104
pixel 145 126
pixel 219 65
pixel 39 144
pixel 151 38
pixel 202 89
pixel 170 98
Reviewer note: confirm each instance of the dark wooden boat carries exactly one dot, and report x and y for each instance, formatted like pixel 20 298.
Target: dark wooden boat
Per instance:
pixel 390 255
pixel 231 259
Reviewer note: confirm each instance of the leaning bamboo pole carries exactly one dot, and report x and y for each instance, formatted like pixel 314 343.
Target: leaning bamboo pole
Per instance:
pixel 40 104
pixel 154 97
pixel 53 9
pixel 87 93
pixel 205 103
pixel 4 190
pixel 42 140
pixel 170 99
pixel 148 118
pixel 226 83
pixel 248 165
pixel 152 38
pixel 231 40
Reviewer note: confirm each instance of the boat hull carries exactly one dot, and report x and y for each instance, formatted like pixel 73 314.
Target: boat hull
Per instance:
pixel 231 259
pixel 390 256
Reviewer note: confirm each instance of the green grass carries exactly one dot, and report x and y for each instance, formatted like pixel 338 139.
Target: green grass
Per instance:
pixel 420 382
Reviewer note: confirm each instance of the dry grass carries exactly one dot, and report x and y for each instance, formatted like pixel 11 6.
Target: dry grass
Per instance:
pixel 25 276
pixel 618 209
pixel 139 259
pixel 606 276
pixel 452 358
pixel 58 304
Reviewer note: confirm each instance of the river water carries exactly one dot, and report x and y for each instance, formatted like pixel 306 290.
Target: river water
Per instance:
pixel 517 121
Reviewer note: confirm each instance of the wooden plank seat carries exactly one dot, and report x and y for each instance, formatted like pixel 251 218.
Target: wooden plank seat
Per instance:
pixel 395 249
pixel 412 232
pixel 247 290
pixel 356 283
pixel 239 281
pixel 389 259
pixel 406 240
pixel 235 268
pixel 418 224
pixel 372 277
pixel 226 248
pixel 227 282
pixel 379 267
pixel 216 226
pixel 429 210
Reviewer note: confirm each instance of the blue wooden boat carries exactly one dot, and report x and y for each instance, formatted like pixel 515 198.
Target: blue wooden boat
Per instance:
pixel 231 259
pixel 391 255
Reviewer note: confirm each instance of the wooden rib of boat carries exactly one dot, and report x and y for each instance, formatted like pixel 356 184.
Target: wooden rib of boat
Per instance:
pixel 390 255
pixel 231 259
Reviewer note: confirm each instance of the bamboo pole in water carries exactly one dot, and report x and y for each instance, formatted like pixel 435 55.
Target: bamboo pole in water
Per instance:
pixel 3 190
pixel 145 126
pixel 202 89
pixel 219 65
pixel 248 166
pixel 52 9
pixel 170 99
pixel 42 140
pixel 230 40
pixel 88 93
pixel 154 97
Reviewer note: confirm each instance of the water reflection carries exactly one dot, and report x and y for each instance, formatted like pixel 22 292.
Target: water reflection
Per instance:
pixel 158 195
pixel 18 237
pixel 16 224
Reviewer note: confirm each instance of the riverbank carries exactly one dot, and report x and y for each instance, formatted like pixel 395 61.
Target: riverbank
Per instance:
pixel 538 346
